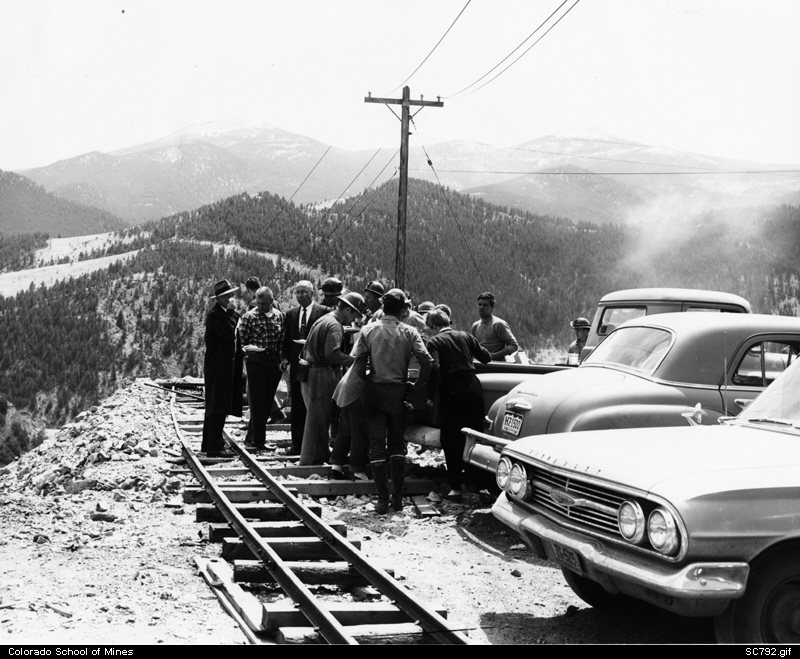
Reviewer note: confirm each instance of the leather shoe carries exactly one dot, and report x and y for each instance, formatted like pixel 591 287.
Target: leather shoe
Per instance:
pixel 337 475
pixel 454 497
pixel 219 454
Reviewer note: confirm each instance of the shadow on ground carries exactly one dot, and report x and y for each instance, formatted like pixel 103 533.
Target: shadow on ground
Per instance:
pixel 639 624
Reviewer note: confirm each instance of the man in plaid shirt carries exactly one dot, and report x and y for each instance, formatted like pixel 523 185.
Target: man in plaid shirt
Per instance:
pixel 261 333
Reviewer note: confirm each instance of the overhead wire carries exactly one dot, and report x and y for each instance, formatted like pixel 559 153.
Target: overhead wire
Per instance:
pixel 450 207
pixel 603 158
pixel 288 201
pixel 528 49
pixel 588 173
pixel 522 43
pixel 326 240
pixel 311 231
pixel 434 48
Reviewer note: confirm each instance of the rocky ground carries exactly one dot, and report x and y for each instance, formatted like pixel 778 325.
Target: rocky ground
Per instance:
pixel 98 548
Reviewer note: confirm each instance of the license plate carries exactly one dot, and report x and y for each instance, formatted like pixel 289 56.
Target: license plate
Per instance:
pixel 566 557
pixel 512 423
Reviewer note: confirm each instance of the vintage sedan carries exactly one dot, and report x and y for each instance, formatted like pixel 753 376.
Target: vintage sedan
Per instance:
pixel 700 520
pixel 647 373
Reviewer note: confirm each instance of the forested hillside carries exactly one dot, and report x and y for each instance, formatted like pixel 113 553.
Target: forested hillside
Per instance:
pixel 65 346
pixel 26 207
pixel 543 270
pixel 17 251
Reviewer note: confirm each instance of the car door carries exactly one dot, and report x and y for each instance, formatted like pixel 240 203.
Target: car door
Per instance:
pixel 755 366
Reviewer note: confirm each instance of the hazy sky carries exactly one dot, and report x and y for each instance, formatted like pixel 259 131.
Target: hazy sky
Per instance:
pixel 712 76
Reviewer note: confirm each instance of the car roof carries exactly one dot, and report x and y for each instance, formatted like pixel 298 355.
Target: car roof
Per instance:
pixel 703 341
pixel 675 295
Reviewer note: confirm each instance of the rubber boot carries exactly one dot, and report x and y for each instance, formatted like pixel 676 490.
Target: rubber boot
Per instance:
pixel 398 476
pixel 381 479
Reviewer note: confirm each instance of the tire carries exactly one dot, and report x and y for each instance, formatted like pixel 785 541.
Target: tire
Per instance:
pixel 769 612
pixel 591 592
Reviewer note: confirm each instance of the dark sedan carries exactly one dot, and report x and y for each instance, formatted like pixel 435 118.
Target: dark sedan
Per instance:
pixel 649 372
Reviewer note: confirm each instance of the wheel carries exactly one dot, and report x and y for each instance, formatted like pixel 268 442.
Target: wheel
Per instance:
pixel 590 591
pixel 769 612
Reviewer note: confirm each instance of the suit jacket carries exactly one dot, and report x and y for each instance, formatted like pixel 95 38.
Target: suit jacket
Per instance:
pixel 292 350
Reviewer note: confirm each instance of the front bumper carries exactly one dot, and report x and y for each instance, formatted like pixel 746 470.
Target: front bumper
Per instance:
pixel 697 589
pixel 482 450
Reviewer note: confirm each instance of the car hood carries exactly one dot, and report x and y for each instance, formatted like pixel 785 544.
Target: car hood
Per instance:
pixel 677 463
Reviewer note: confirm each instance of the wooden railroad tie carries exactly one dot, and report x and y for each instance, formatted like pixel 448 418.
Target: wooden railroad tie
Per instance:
pixel 334 573
pixel 254 491
pixel 265 512
pixel 290 549
pixel 367 622
pixel 282 529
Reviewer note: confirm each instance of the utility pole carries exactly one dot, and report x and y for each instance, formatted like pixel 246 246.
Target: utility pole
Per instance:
pixel 402 194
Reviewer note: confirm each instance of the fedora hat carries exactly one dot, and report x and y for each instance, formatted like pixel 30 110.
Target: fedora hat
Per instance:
pixel 223 287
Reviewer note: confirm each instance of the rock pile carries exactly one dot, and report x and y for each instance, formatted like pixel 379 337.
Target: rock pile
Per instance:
pixel 118 445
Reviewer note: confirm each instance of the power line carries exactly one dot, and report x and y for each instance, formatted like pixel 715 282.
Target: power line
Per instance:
pixel 360 214
pixel 452 212
pixel 588 173
pixel 512 52
pixel 528 49
pixel 434 48
pixel 570 155
pixel 294 250
pixel 275 219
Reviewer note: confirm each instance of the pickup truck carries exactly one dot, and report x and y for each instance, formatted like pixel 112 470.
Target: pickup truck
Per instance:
pixel 615 308
pixel 498 378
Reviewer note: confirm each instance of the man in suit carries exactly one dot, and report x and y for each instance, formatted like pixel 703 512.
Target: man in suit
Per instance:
pixel 299 320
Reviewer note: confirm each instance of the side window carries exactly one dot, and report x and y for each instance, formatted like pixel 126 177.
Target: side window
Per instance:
pixel 613 317
pixel 763 362
pixel 692 306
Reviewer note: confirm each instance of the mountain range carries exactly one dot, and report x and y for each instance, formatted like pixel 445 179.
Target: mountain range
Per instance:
pixel 552 175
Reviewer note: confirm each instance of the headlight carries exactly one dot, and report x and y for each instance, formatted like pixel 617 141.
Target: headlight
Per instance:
pixel 630 520
pixel 662 531
pixel 517 481
pixel 503 473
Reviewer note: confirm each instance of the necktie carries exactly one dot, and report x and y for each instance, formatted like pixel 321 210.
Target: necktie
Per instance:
pixel 303 323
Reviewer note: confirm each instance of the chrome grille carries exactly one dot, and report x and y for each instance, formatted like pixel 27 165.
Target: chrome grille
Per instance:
pixel 593 505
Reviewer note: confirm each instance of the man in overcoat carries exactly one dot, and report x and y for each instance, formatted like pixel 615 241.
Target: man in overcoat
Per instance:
pixel 223 381
pixel 299 320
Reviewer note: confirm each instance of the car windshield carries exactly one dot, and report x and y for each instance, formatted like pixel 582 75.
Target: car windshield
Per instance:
pixel 637 348
pixel 780 402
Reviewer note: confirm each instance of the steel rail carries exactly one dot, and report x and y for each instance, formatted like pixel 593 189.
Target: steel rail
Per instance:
pixel 425 617
pixel 328 626
pixel 174 391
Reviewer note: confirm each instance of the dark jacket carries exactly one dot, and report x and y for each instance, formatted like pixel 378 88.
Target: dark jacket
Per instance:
pixel 291 350
pixel 222 364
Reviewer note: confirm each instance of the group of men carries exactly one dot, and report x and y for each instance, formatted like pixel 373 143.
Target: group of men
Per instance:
pixel 348 361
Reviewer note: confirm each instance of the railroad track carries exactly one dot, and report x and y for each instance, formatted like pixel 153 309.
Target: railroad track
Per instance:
pixel 329 591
